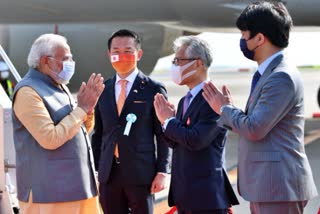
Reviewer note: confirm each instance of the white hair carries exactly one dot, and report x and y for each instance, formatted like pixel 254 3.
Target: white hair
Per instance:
pixel 45 45
pixel 195 48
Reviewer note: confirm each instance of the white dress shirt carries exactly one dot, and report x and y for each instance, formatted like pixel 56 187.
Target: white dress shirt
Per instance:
pixel 130 79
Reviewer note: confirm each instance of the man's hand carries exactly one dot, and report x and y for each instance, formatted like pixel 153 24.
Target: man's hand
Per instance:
pixel 215 97
pixel 164 109
pixel 159 183
pixel 89 93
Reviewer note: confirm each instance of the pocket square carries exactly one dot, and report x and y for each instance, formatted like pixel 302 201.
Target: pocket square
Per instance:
pixel 139 101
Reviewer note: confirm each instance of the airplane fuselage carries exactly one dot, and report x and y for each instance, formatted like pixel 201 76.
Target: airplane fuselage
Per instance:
pixel 203 12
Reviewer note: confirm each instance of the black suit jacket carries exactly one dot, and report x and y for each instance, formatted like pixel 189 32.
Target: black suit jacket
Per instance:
pixel 140 157
pixel 198 180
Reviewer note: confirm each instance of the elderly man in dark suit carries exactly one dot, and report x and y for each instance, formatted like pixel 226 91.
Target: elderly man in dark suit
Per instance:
pixel 199 183
pixel 131 166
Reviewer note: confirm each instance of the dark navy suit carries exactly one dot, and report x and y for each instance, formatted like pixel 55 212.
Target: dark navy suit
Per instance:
pixel 199 181
pixel 140 157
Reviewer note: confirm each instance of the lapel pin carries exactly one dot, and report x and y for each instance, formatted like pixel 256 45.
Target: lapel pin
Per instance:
pixel 142 84
pixel 135 91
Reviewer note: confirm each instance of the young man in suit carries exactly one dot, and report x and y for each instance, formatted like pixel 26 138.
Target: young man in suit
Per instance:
pixel 274 172
pixel 131 167
pixel 199 183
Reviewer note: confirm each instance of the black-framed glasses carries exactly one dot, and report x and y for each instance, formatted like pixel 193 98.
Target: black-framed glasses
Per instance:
pixel 176 60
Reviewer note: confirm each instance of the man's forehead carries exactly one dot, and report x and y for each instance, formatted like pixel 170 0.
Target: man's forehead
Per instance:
pixel 123 42
pixel 68 55
pixel 181 51
pixel 62 51
pixel 245 32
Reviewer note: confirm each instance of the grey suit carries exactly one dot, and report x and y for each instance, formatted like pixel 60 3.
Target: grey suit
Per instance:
pixel 272 162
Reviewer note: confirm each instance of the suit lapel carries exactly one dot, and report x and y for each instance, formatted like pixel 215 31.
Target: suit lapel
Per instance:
pixel 111 94
pixel 193 105
pixel 179 110
pixel 274 63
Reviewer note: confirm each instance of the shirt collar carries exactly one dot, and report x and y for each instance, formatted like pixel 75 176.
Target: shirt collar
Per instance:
pixel 263 66
pixel 129 78
pixel 196 90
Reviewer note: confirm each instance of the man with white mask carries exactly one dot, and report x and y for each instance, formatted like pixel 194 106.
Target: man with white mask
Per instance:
pixel 55 172
pixel 199 183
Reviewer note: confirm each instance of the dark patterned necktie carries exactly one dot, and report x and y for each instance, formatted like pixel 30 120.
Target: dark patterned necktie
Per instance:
pixel 255 80
pixel 186 102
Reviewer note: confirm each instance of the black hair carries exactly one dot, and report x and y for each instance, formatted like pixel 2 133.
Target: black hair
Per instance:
pixel 271 18
pixel 125 33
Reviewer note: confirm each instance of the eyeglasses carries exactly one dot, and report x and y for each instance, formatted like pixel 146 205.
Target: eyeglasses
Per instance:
pixel 176 60
pixel 66 58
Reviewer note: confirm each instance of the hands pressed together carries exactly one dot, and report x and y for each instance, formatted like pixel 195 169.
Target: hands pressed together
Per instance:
pixel 216 98
pixel 164 109
pixel 90 92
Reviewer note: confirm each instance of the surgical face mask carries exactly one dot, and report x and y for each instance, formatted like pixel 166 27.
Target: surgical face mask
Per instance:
pixel 64 76
pixel 4 74
pixel 177 75
pixel 244 48
pixel 123 63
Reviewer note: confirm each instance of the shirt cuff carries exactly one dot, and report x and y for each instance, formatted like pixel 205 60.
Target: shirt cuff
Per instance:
pixel 223 107
pixel 163 173
pixel 165 123
pixel 80 113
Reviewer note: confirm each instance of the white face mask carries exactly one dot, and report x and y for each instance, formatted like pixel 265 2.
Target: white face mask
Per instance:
pixel 176 72
pixel 64 76
pixel 4 74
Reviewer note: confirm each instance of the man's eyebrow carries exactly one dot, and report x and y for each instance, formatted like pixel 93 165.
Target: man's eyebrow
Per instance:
pixel 68 55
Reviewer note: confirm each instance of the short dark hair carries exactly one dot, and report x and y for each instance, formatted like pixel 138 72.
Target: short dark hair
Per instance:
pixel 270 18
pixel 125 33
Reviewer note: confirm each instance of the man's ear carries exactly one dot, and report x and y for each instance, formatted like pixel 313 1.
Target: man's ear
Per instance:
pixel 199 63
pixel 261 38
pixel 139 55
pixel 44 60
pixel 44 64
pixel 108 54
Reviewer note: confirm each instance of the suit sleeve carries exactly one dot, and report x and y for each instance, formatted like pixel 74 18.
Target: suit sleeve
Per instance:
pixel 198 135
pixel 164 153
pixel 274 103
pixel 97 137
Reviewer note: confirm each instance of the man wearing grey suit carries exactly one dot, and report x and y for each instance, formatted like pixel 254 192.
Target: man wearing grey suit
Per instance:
pixel 273 170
